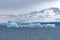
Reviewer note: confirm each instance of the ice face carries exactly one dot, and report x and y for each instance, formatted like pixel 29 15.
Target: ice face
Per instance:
pixel 12 24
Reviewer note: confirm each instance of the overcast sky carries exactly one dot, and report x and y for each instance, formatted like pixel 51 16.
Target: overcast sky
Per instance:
pixel 12 7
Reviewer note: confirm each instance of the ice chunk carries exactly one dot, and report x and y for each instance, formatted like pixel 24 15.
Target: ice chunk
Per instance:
pixel 50 25
pixel 35 25
pixel 12 24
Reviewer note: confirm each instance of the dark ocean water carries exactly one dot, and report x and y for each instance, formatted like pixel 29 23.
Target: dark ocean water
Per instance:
pixel 29 33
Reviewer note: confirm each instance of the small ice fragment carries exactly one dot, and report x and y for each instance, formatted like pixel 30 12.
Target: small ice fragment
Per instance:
pixel 50 25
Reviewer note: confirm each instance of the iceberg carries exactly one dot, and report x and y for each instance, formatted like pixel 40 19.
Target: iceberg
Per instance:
pixel 12 24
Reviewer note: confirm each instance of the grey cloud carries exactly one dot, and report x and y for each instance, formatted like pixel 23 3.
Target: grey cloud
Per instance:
pixel 9 4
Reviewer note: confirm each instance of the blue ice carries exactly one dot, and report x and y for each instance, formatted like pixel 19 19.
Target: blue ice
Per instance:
pixel 12 24
pixel 50 25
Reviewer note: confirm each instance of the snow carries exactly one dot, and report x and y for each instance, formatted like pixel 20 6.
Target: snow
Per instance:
pixel 48 15
pixel 45 15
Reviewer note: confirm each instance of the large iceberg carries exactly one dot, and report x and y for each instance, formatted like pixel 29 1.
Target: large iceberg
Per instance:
pixel 12 24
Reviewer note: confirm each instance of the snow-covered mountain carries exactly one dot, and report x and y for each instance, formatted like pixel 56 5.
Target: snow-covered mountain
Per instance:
pixel 45 15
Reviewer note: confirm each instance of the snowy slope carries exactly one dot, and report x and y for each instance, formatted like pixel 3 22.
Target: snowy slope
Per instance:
pixel 45 15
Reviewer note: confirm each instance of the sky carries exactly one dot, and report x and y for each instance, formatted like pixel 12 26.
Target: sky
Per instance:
pixel 15 7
